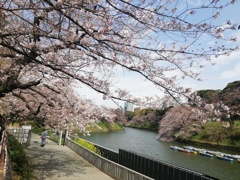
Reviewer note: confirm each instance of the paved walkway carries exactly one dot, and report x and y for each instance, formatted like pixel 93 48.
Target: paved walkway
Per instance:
pixel 57 162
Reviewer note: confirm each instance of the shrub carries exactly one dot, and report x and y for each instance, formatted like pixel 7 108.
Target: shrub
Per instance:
pixel 20 164
pixel 235 135
pixel 35 129
pixel 215 132
pixel 88 145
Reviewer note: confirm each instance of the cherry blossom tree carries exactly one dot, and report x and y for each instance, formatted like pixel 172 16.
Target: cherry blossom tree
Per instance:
pixel 60 110
pixel 89 40
pixel 184 122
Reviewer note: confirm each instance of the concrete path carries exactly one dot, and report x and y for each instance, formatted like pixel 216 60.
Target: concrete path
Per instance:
pixel 57 162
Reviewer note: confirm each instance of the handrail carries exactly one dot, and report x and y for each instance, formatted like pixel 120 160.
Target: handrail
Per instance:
pixel 1 143
pixel 114 170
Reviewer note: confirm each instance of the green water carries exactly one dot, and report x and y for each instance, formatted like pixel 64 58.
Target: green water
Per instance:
pixel 144 142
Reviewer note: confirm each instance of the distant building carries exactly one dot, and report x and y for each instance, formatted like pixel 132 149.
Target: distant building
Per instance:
pixel 128 106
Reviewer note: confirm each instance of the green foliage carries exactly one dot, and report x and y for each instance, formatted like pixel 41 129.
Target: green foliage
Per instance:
pixel 105 126
pixel 235 135
pixel 145 111
pixel 216 133
pixel 150 125
pixel 37 122
pixel 209 95
pixel 233 84
pixel 160 112
pixel 88 145
pixel 56 139
pixel 36 129
pixel 20 164
pixel 145 125
pixel 129 115
pixel 113 126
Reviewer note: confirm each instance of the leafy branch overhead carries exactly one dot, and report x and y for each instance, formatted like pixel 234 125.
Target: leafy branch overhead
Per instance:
pixel 60 42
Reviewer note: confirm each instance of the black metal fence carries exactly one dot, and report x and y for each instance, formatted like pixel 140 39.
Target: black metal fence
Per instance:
pixel 156 169
pixel 150 167
pixel 109 154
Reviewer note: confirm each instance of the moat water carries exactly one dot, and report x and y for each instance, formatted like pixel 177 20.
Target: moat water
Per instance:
pixel 144 142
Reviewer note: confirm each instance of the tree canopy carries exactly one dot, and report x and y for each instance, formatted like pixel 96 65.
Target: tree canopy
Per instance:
pixel 45 45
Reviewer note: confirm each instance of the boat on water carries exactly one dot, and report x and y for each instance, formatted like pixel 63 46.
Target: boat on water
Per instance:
pixel 215 153
pixel 174 147
pixel 212 152
pixel 199 149
pixel 232 156
pixel 224 158
pixel 188 147
pixel 204 153
pixel 207 153
pixel 236 156
pixel 184 150
pixel 191 149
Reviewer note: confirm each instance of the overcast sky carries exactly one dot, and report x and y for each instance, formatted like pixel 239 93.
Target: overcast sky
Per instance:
pixel 227 69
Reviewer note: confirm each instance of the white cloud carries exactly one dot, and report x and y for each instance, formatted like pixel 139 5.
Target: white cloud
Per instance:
pixel 232 73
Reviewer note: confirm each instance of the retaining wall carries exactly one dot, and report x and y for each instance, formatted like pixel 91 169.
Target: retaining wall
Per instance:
pixel 114 170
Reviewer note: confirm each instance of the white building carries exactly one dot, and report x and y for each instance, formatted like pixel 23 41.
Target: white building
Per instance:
pixel 128 107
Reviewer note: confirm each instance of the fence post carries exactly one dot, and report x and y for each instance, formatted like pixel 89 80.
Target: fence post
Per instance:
pixel 60 138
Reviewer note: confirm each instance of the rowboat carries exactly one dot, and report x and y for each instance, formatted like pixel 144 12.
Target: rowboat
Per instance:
pixel 203 153
pixel 174 147
pixel 232 156
pixel 191 149
pixel 184 150
pixel 224 158
pixel 236 156
pixel 217 153
pixel 188 147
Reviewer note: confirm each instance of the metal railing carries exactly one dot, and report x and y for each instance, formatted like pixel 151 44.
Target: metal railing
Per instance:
pixel 148 166
pixel 114 170
pixel 2 140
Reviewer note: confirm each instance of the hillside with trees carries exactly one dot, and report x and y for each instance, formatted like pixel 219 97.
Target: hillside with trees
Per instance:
pixel 185 123
pixel 145 118
pixel 229 96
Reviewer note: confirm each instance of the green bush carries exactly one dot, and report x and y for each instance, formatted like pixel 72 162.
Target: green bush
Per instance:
pixel 129 115
pixel 88 145
pixel 145 111
pixel 36 129
pixel 235 135
pixel 20 164
pixel 215 132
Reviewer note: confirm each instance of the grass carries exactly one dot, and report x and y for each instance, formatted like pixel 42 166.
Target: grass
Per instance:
pixel 105 127
pixel 216 133
pixel 146 125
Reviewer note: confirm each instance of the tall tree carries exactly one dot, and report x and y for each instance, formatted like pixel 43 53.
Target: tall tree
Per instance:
pixel 88 40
